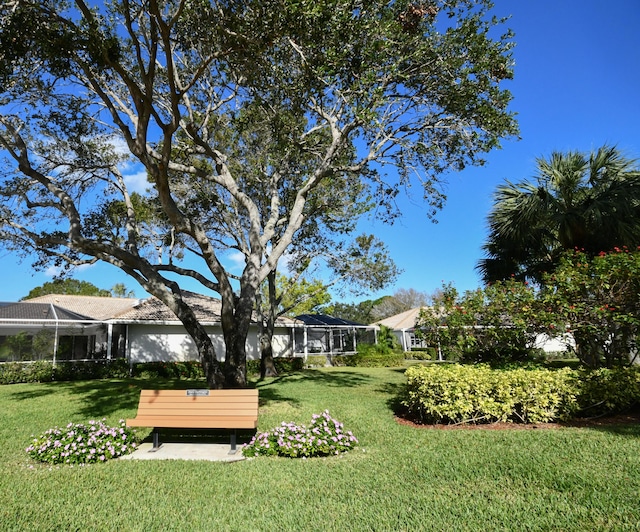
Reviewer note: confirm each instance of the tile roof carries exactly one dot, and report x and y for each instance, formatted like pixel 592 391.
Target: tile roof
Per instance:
pixel 404 320
pixel 206 309
pixel 28 311
pixel 125 310
pixel 94 307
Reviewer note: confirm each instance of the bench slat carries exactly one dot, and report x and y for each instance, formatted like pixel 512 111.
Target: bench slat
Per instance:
pixel 179 422
pixel 172 410
pixel 237 393
pixel 186 405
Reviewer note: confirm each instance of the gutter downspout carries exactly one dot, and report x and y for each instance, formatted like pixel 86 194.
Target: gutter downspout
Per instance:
pixel 109 339
pixel 55 337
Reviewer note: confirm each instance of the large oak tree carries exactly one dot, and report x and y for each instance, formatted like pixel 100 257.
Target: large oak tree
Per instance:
pixel 246 116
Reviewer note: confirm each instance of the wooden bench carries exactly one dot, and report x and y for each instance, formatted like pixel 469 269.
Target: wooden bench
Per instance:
pixel 197 409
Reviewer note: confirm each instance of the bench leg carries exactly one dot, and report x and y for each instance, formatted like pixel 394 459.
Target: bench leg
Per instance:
pixel 233 442
pixel 156 441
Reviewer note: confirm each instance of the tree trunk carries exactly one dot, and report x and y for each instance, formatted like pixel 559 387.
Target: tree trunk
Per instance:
pixel 236 320
pixel 267 364
pixel 586 350
pixel 210 365
pixel 268 323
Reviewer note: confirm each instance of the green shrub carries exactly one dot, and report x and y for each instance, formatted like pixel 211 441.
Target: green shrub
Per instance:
pixel 19 372
pixel 45 371
pixel 457 394
pixel 423 353
pixel 316 361
pixel 169 370
pixel 288 364
pixel 282 364
pixel 371 356
pixel 99 369
pixel 608 391
pixel 12 373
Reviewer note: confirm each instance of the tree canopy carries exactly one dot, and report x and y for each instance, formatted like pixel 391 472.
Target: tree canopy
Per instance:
pixel 402 300
pixel 255 122
pixel 589 202
pixel 68 287
pixel 78 288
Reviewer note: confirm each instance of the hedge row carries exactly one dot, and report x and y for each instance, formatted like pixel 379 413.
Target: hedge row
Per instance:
pixel 371 356
pixel 479 394
pixel 45 371
pixel 282 364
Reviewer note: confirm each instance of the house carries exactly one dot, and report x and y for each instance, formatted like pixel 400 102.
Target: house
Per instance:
pixel 403 326
pixel 67 327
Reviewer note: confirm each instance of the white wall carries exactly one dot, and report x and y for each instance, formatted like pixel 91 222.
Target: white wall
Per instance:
pixel 554 345
pixel 281 342
pixel 171 343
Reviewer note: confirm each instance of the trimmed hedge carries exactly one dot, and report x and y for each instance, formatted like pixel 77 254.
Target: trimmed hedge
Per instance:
pixel 479 394
pixel 45 371
pixel 315 361
pixel 423 353
pixel 371 356
pixel 168 370
pixel 282 364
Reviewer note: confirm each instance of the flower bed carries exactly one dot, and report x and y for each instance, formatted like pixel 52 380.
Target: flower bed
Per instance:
pixel 325 436
pixel 83 444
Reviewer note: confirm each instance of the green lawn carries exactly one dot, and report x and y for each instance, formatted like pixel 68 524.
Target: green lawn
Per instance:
pixel 400 478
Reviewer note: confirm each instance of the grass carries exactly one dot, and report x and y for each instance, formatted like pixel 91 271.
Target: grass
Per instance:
pixel 400 478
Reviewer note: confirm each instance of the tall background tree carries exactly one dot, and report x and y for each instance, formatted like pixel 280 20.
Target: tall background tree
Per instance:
pixel 245 115
pixel 78 288
pixel 589 202
pixel 67 287
pixel 361 312
pixel 361 266
pixel 402 300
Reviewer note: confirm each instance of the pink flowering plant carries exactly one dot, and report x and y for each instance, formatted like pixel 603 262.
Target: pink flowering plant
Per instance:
pixel 323 437
pixel 78 443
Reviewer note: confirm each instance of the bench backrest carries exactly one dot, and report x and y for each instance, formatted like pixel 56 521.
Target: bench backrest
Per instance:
pixel 230 408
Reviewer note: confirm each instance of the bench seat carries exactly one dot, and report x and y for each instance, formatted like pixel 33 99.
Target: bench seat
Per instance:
pixel 197 409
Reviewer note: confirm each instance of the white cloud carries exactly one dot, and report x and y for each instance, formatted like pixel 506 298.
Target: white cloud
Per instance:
pixel 136 182
pixel 237 259
pixel 55 271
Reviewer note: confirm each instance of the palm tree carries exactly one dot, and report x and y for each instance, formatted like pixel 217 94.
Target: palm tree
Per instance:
pixel 589 202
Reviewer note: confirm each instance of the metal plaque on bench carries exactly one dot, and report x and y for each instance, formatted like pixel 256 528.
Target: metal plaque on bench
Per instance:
pixel 195 392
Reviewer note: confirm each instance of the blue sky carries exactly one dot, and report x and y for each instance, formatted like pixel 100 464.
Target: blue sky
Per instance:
pixel 576 87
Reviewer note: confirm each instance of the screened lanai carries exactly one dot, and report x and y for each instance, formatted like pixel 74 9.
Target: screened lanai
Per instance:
pixel 321 334
pixel 44 331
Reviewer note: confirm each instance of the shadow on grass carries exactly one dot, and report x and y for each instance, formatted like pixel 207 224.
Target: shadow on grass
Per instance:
pixel 103 398
pixel 269 390
pixel 188 435
pixel 338 378
pixel 395 393
pixel 273 395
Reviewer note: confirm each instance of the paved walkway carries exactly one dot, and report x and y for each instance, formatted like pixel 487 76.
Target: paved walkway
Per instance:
pixel 213 452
